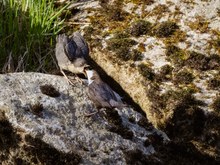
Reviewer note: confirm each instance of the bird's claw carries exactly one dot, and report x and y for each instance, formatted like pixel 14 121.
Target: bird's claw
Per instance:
pixel 90 114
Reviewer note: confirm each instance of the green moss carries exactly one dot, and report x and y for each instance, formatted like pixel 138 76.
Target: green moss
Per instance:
pixel 146 71
pixel 145 2
pixel 183 77
pixel 159 11
pixel 175 54
pixel 216 44
pixel 140 27
pixel 120 35
pixel 165 29
pixel 202 62
pixel 92 31
pixel 113 12
pixel 216 104
pixel 200 24
pixel 214 83
pixel 165 73
pixel 178 36
pixel 136 55
pixel 197 61
pixel 121 46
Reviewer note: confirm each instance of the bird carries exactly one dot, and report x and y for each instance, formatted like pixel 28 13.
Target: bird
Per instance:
pixel 71 53
pixel 101 93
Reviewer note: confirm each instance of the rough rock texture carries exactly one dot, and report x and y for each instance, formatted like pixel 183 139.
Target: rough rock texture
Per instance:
pixel 174 34
pixel 43 121
pixel 166 57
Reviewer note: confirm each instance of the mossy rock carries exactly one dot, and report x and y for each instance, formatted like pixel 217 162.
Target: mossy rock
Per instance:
pixel 165 29
pixel 121 45
pixel 216 104
pixel 197 61
pixel 183 77
pixel 214 83
pixel 140 27
pixel 165 73
pixel 146 71
pixel 175 54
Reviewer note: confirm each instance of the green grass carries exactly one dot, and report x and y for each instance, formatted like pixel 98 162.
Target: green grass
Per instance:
pixel 27 31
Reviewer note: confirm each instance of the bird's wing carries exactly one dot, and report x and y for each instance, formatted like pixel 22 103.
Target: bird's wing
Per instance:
pixel 99 94
pixel 70 49
pixel 60 53
pixel 81 44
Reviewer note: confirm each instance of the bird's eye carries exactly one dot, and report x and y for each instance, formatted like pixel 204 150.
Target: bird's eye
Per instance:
pixel 88 68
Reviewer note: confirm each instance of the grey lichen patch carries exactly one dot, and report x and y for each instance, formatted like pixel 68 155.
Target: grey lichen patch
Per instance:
pixel 140 27
pixel 165 29
pixel 146 72
pixel 49 90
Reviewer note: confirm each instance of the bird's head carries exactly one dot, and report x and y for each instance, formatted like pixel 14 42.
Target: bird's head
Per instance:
pixel 62 39
pixel 80 64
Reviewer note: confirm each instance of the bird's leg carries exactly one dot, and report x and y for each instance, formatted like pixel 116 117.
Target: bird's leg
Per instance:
pixel 78 79
pixel 69 81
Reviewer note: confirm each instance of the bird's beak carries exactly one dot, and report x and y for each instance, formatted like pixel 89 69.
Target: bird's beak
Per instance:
pixel 86 67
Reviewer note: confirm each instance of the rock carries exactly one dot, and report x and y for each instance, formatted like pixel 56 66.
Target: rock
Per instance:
pixel 43 121
pixel 172 82
pixel 194 26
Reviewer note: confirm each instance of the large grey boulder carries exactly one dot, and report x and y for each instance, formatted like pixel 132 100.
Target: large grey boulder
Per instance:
pixel 43 121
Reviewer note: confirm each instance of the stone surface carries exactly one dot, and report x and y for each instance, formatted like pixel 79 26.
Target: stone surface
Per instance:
pixel 198 24
pixel 44 119
pixel 169 65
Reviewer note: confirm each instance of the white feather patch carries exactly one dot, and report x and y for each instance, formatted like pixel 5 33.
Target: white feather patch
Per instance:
pixel 89 75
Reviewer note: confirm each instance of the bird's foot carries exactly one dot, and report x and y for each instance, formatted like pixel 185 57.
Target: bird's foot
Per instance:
pixel 90 114
pixel 79 80
pixel 68 80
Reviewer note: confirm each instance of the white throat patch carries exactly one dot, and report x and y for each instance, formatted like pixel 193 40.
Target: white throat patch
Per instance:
pixel 90 75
